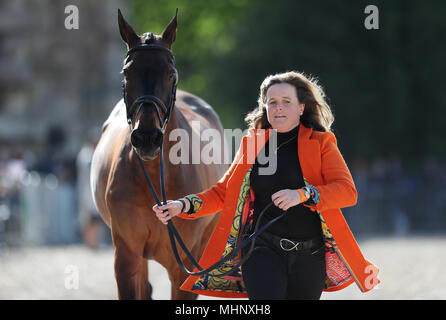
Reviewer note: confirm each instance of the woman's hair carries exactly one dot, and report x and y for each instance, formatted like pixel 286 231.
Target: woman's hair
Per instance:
pixel 317 113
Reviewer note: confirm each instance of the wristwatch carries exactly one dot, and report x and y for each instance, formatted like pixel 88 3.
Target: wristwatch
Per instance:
pixel 306 193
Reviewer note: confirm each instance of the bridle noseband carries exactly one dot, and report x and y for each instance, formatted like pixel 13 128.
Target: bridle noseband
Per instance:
pixel 152 99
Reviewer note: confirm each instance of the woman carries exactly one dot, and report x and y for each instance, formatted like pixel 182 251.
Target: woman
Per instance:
pixel 311 248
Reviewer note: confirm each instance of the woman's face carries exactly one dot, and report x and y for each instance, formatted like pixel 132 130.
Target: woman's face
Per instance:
pixel 284 109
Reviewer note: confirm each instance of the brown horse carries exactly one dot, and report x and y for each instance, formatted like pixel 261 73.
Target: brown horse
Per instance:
pixel 121 194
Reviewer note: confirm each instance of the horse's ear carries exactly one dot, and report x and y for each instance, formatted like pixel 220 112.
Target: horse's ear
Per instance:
pixel 127 33
pixel 170 31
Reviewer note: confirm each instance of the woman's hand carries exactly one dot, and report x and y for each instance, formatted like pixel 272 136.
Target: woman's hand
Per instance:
pixel 287 198
pixel 168 211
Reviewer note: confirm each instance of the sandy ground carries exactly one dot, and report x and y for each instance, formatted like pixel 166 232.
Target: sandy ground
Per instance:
pixel 410 269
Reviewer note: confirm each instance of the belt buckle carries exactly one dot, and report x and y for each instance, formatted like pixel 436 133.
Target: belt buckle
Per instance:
pixel 294 245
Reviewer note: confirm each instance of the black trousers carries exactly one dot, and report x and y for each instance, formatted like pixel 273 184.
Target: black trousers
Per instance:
pixel 271 273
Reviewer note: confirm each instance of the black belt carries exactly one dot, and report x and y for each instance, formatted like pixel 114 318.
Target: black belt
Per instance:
pixel 292 244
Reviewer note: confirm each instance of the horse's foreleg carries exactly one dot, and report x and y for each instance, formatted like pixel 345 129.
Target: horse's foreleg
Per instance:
pixel 177 278
pixel 131 273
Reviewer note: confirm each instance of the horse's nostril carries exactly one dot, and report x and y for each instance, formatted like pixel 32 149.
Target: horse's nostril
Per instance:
pixel 137 139
pixel 144 139
pixel 158 139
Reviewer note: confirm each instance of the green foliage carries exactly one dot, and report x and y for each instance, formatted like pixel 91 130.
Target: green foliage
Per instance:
pixel 385 86
pixel 204 37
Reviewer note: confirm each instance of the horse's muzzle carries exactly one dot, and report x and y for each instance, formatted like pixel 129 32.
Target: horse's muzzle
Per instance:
pixel 147 142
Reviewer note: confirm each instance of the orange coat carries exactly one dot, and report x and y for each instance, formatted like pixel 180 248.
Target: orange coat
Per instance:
pixel 322 167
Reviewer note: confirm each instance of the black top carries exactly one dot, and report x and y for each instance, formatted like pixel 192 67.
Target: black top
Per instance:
pixel 300 222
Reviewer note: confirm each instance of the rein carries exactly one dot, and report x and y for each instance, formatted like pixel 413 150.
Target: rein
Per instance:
pixel 173 232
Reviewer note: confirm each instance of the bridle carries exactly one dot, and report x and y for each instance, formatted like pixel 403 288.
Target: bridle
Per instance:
pixel 173 233
pixel 149 99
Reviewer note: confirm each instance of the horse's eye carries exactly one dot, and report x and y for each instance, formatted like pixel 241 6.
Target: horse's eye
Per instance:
pixel 172 76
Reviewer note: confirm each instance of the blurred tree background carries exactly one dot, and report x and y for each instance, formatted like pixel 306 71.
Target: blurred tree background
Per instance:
pixel 385 86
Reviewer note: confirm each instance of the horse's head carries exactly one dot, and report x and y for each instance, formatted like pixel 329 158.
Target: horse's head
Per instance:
pixel 150 80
